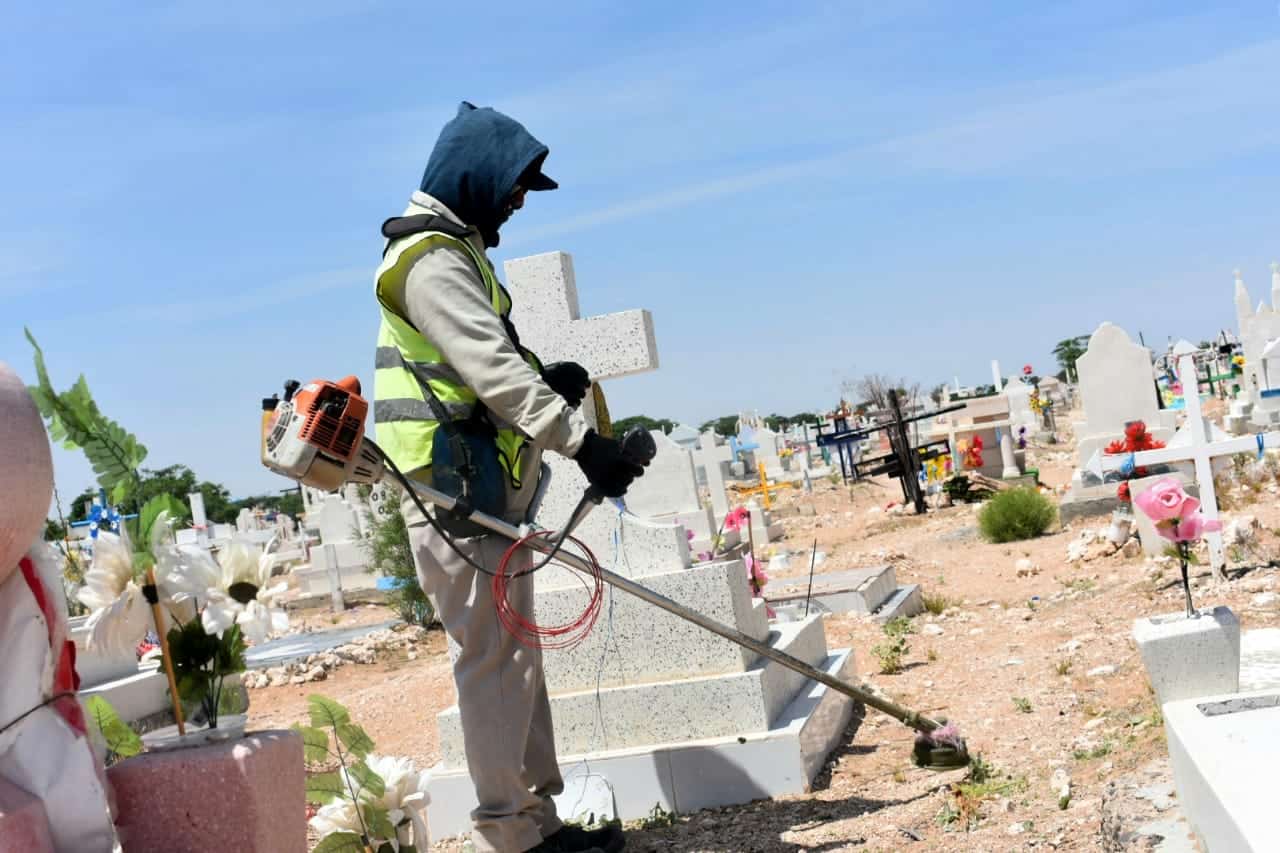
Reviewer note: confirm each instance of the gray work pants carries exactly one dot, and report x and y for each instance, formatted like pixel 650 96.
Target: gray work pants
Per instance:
pixel 502 697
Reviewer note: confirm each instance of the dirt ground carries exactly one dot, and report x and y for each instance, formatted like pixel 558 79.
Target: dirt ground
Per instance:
pixel 1035 665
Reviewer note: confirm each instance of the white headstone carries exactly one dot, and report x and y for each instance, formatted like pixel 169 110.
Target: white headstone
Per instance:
pixel 199 520
pixel 996 379
pixel 668 485
pixel 245 521
pixel 714 456
pixel 337 521
pixel 1117 385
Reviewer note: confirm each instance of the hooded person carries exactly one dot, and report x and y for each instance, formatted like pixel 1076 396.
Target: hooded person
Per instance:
pixel 44 746
pixel 460 404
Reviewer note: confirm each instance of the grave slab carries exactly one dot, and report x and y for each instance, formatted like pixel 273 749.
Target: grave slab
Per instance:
pixel 246 795
pixel 671 711
pixel 642 644
pixel 1222 747
pixel 856 591
pixel 135 697
pixel 1260 659
pixel 296 647
pixel 1186 658
pixel 24 825
pixel 682 778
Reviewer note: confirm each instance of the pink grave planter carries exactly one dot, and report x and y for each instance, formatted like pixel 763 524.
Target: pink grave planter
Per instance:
pixel 24 826
pixel 247 795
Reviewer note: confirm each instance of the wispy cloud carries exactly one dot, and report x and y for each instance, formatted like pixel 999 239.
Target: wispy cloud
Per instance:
pixel 221 307
pixel 1170 118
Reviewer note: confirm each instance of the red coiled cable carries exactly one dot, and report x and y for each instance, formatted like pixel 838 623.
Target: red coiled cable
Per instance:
pixel 523 628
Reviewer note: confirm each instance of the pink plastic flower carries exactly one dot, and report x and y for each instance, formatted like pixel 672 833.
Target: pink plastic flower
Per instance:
pixel 736 518
pixel 1165 501
pixel 1189 529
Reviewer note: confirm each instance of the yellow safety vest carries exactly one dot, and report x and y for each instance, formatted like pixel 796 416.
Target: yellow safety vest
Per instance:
pixel 406 424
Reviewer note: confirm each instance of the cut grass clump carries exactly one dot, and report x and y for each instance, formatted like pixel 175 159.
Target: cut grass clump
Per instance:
pixel 1015 515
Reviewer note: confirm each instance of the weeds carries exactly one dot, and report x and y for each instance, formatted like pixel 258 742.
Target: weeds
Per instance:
pixel 658 818
pixel 932 656
pixel 1100 751
pixel 983 782
pixel 1022 703
pixel 890 653
pixel 937 603
pixel 1063 667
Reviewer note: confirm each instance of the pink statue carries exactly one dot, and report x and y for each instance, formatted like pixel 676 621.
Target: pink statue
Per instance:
pixel 44 748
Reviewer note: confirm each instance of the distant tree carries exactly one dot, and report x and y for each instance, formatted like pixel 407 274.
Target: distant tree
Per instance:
pixel 1068 351
pixel 621 425
pixel 873 389
pixel 54 531
pixel 937 394
pixel 725 426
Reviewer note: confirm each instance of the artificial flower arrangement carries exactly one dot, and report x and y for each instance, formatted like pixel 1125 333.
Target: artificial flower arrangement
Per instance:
pixel 971 451
pixel 1178 518
pixel 216 606
pixel 1136 439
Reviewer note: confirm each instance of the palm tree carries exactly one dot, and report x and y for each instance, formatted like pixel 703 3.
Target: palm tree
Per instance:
pixel 1067 351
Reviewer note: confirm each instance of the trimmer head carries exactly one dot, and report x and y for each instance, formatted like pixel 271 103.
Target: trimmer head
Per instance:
pixel 941 749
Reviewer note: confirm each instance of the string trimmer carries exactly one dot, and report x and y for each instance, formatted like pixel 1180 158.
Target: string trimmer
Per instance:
pixel 315 436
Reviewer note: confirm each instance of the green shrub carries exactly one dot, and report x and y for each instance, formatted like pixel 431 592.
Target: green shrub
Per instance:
pixel 390 554
pixel 1016 514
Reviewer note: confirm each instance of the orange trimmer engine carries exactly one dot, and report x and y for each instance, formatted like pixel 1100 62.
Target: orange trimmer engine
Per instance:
pixel 315 435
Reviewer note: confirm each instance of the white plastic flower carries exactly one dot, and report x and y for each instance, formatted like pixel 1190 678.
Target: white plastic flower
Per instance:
pixel 242 597
pixel 119 615
pixel 336 817
pixel 404 800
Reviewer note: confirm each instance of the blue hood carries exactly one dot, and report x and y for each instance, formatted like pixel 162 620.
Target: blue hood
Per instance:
pixel 475 164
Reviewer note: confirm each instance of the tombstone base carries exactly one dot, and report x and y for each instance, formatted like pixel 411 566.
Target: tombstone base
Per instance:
pixel 685 777
pixel 1186 658
pixel 24 824
pixel 247 795
pixel 1221 746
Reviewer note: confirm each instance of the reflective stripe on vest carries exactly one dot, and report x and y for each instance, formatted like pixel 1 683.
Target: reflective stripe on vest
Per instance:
pixel 405 360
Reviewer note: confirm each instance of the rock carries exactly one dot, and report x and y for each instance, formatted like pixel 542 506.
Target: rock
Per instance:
pixel 316 673
pixel 1076 550
pixel 1264 600
pixel 298 679
pixel 1070 646
pixel 1060 783
pixel 1016 828
pixel 1241 530
pixel 412 656
pixel 1102 671
pixel 933 630
pixel 1131 549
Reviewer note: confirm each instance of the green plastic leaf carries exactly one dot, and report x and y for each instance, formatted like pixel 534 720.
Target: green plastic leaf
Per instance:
pixel 150 513
pixel 339 842
pixel 355 739
pixel 377 821
pixel 324 788
pixel 366 780
pixel 117 735
pixel 315 743
pixel 325 712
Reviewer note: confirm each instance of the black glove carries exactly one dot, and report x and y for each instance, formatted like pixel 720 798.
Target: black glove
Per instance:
pixel 568 379
pixel 605 465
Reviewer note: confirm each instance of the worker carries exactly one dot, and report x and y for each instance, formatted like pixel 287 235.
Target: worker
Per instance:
pixel 453 383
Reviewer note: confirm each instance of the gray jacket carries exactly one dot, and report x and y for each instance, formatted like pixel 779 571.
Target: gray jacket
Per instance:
pixel 446 299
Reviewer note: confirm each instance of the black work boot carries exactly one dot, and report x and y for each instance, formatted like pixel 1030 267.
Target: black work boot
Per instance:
pixel 575 839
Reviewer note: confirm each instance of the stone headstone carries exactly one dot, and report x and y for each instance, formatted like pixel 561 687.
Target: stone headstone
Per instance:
pixel 1117 386
pixel 685 436
pixel 714 456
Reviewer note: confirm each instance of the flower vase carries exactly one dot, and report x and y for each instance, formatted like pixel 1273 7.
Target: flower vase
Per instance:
pixel 1121 524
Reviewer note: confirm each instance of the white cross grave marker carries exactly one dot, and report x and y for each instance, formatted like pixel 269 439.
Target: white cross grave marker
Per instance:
pixel 711 457
pixel 1201 451
pixel 546 315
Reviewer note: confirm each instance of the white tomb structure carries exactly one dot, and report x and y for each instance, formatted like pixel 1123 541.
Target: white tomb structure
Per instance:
pixel 649 707
pixel 1260 339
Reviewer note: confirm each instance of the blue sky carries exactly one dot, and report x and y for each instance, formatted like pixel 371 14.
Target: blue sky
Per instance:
pixel 800 193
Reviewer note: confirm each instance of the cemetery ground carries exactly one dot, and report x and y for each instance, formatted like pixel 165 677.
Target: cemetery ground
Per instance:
pixel 1029 653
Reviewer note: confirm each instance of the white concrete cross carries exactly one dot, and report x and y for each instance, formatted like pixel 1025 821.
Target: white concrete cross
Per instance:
pixel 711 457
pixel 1201 452
pixel 546 316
